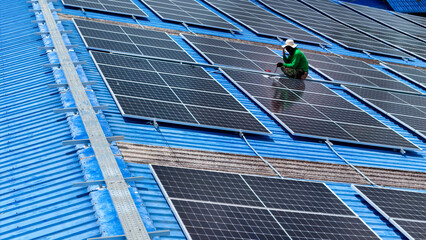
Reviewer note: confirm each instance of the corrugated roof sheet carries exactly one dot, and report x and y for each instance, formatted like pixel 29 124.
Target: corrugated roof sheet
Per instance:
pixel 36 170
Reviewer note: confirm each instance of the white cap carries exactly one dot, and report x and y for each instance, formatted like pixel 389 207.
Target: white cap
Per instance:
pixel 289 43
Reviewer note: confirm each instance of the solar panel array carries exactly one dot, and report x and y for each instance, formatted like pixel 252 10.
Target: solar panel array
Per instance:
pixel 310 109
pixel 174 93
pixel 405 209
pixel 188 11
pixel 125 7
pixel 368 26
pixel 409 110
pixel 261 21
pixel 329 28
pixel 354 71
pixel 391 20
pixel 235 54
pixel 217 205
pixel 129 40
pixel 417 76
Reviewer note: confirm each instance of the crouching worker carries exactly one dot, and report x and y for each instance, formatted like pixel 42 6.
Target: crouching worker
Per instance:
pixel 295 64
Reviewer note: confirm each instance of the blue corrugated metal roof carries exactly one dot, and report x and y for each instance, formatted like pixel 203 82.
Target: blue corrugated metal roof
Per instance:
pixel 408 6
pixel 36 171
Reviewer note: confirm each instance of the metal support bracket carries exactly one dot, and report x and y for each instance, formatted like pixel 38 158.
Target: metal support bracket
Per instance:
pixel 155 123
pixel 36 1
pixel 86 141
pixel 66 84
pixel 62 32
pixel 123 237
pixel 52 47
pixel 39 10
pixel 42 20
pixel 74 109
pixel 58 64
pixel 100 182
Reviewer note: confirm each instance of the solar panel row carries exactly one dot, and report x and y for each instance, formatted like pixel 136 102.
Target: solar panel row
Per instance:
pixel 310 109
pixel 390 20
pixel 329 28
pixel 405 209
pixel 370 27
pixel 217 205
pixel 419 20
pixel 172 92
pixel 261 21
pixel 125 7
pixel 123 39
pixel 354 71
pixel 188 11
pixel 417 76
pixel 235 54
pixel 409 110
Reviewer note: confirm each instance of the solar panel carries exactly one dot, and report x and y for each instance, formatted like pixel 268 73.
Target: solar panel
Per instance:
pixel 216 221
pixel 415 75
pixel 125 7
pixel 235 54
pixel 174 93
pixel 405 209
pixel 327 27
pixel 206 186
pixel 390 20
pixel 188 11
pixel 408 110
pixel 310 109
pixel 261 21
pixel 129 40
pixel 370 27
pixel 421 21
pixel 305 196
pixel 323 226
pixel 217 205
pixel 354 71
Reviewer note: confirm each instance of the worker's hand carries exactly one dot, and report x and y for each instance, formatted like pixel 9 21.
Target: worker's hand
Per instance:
pixel 279 64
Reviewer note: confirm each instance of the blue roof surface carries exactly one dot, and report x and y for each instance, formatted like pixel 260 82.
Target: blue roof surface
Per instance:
pixel 408 6
pixel 37 197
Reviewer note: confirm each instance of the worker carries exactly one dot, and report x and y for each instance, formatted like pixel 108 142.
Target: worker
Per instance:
pixel 295 65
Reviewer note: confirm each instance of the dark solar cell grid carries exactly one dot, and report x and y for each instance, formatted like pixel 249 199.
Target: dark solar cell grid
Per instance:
pixel 318 112
pixel 366 25
pixel 214 100
pixel 297 195
pixel 408 109
pixel 354 71
pixel 121 7
pixel 227 119
pixel 153 92
pixel 385 17
pixel 190 12
pixel 201 84
pixel 124 40
pixel 131 75
pixel 397 203
pixel 214 221
pixel 145 109
pixel 323 226
pixel 235 54
pixel 182 93
pixel 417 76
pixel 416 230
pixel 261 21
pixel 206 186
pixel 329 28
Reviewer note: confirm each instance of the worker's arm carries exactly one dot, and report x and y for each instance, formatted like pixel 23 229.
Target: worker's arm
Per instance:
pixel 295 62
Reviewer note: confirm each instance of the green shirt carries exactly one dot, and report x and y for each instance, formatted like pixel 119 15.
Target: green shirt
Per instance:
pixel 296 61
